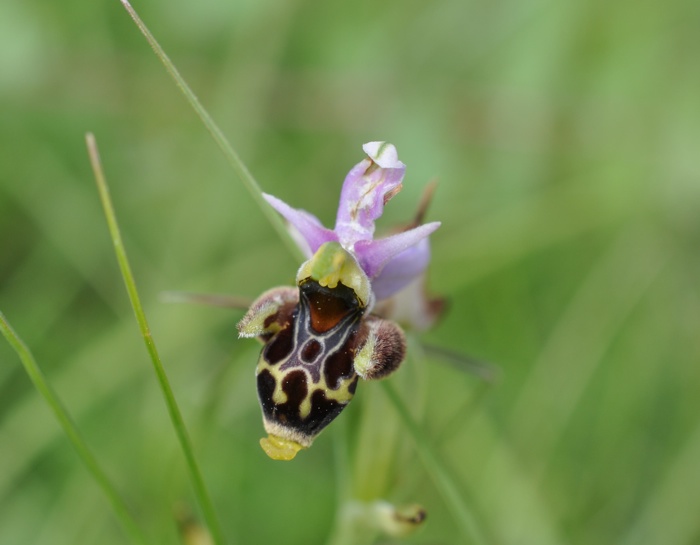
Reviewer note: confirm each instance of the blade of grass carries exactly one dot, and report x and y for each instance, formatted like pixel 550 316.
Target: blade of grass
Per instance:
pixel 672 500
pixel 71 430
pixel 669 514
pixel 175 416
pixel 234 160
pixel 444 482
pixel 586 330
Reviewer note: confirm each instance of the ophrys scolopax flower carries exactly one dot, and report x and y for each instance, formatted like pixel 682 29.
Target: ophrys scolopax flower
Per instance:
pixel 323 335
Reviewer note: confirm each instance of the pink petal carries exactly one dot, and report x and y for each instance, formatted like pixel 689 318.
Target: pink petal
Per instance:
pixel 403 269
pixel 374 255
pixel 367 188
pixel 308 232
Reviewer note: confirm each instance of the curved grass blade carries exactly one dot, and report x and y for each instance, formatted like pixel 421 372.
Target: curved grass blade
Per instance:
pixel 234 160
pixel 444 482
pixel 173 409
pixel 70 429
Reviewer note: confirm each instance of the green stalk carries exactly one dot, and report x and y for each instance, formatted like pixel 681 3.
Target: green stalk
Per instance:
pixel 71 431
pixel 234 160
pixel 175 416
pixel 444 482
pixel 376 447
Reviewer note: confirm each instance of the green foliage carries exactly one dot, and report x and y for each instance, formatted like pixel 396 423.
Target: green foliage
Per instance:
pixel 564 137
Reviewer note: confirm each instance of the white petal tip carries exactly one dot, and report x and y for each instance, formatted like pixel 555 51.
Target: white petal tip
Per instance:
pixel 384 154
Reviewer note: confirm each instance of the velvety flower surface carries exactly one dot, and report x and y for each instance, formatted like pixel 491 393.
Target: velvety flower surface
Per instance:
pixel 392 262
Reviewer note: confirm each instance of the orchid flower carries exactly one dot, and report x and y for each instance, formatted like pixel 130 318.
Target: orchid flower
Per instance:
pixel 322 336
pixel 391 263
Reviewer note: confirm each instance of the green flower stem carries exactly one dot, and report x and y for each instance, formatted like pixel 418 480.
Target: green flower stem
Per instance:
pixel 375 453
pixel 71 431
pixel 350 526
pixel 234 160
pixel 442 479
pixel 173 409
pixel 357 482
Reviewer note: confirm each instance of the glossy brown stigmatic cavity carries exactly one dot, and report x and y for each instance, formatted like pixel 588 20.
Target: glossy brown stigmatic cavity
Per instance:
pixel 305 374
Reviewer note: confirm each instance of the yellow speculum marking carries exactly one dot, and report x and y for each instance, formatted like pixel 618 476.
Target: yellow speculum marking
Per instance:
pixel 305 407
pixel 278 396
pixel 341 395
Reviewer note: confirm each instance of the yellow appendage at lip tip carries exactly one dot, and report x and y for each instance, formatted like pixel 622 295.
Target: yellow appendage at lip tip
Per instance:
pixel 279 448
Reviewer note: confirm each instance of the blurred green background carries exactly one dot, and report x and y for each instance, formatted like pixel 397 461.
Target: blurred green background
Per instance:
pixel 565 137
